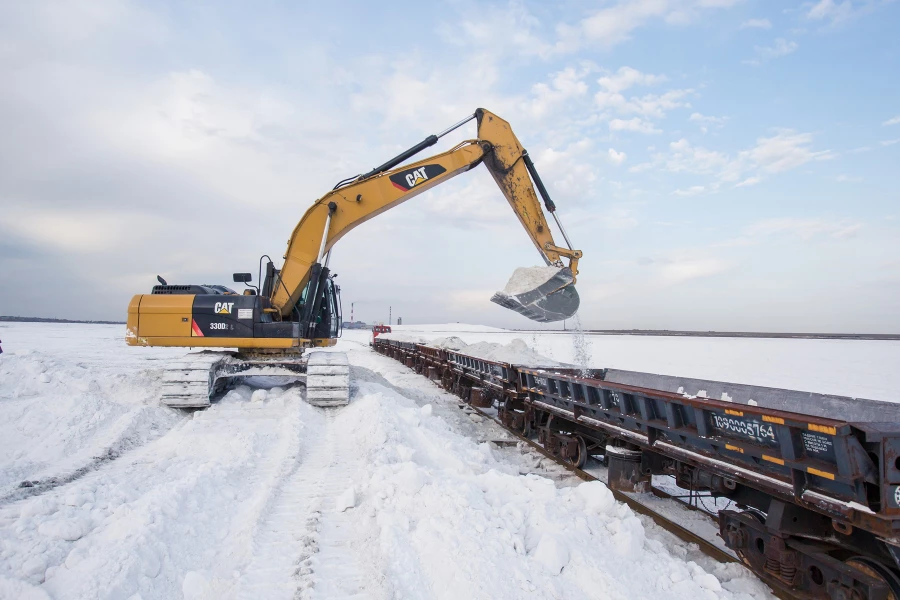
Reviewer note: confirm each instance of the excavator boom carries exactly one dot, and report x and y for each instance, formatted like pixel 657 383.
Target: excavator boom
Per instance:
pixel 360 199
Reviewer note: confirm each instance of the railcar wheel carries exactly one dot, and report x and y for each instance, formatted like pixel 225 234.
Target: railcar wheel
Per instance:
pixel 742 554
pixel 880 572
pixel 580 457
pixel 526 429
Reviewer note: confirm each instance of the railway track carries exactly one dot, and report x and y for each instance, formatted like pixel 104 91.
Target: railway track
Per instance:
pixel 666 523
pixel 819 498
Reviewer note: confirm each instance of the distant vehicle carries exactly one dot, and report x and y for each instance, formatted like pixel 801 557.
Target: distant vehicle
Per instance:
pixel 376 329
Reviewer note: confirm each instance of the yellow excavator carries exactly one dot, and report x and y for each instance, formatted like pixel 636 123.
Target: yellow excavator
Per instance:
pixel 298 306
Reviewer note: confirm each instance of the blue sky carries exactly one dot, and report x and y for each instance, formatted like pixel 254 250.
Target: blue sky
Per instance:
pixel 723 164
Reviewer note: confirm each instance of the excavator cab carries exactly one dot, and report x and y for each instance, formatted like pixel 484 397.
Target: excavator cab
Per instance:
pixel 318 309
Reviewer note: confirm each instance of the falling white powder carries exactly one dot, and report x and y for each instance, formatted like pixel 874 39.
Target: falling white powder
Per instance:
pixel 580 345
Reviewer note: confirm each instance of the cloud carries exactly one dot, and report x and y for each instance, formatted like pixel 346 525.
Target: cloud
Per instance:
pixel 687 269
pixel 509 30
pixel 656 105
pixel 804 229
pixel 779 153
pixel 616 107
pixel 832 11
pixel 684 157
pixel 892 121
pixel 475 195
pixel 784 151
pixel 691 191
pixel 617 158
pixel 636 124
pixel 564 85
pixel 756 24
pixel 513 31
pixel 613 25
pixel 847 179
pixel 77 231
pixel 838 12
pixel 610 97
pixel 889 142
pixel 780 48
pixel 627 77
pixel 706 119
pixel 618 218
pixel 748 182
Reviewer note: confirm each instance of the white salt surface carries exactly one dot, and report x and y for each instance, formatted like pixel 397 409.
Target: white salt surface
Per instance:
pixel 516 352
pixel 431 329
pixel 395 495
pixel 526 279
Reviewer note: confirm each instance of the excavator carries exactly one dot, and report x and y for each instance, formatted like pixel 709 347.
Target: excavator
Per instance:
pixel 298 305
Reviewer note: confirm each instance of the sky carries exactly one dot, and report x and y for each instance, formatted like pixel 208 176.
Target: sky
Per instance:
pixel 722 164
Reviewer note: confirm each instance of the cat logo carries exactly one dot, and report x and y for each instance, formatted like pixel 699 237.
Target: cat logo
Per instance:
pixel 223 308
pixel 413 178
pixel 410 178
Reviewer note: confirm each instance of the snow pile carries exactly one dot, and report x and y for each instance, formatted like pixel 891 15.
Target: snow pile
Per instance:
pixel 448 343
pixel 65 410
pixel 526 279
pixel 447 327
pixel 346 500
pixel 167 517
pixel 516 352
pixel 454 521
pixel 404 337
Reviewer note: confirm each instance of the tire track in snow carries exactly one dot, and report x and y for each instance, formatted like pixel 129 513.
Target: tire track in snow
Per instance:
pixel 305 545
pixel 156 512
pixel 131 438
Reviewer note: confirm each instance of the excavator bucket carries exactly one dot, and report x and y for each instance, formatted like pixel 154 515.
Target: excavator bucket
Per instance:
pixel 543 294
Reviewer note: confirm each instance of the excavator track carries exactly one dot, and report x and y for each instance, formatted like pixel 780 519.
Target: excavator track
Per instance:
pixel 190 382
pixel 193 381
pixel 328 379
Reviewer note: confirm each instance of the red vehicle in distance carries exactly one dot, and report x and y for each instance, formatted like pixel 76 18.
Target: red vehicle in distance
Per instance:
pixel 376 329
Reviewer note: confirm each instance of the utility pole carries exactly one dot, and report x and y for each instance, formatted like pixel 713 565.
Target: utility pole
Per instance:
pixel 390 314
pixel 351 311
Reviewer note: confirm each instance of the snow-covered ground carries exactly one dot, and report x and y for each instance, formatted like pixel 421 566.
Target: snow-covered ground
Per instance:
pixel 106 494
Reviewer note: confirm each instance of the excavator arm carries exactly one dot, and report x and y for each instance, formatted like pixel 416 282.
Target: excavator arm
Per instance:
pixel 360 199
